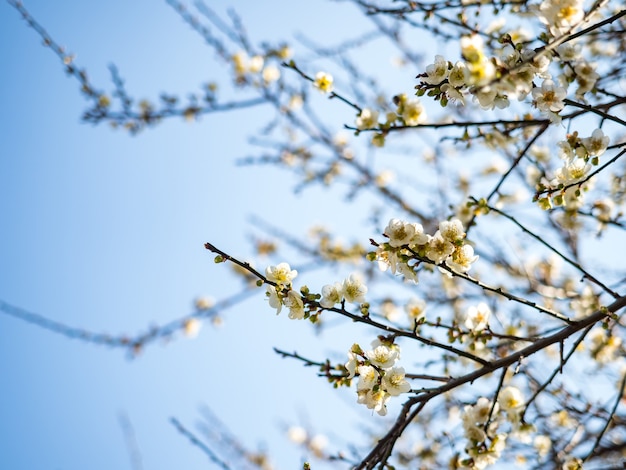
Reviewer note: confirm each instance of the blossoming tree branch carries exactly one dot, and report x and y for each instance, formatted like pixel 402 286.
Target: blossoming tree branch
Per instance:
pixel 481 282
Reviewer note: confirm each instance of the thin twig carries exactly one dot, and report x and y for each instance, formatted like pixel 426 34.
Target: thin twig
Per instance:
pixel 199 444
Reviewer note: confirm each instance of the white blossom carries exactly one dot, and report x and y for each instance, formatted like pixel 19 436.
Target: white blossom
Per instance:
pixel 452 230
pixel 510 399
pixel 293 301
pixel 459 75
pixel 274 299
pixel 367 119
pixel 394 382
pixel 353 289
pixel 477 317
pixel 597 143
pixel 352 364
pixel 549 97
pixel 437 72
pixel 413 112
pixel 323 82
pixel 438 248
pixel 281 274
pixel 461 259
pixel 382 356
pixel 399 232
pixel 415 309
pixel 368 377
pixel 331 294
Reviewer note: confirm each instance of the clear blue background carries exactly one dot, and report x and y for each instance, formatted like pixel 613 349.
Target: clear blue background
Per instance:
pixel 104 231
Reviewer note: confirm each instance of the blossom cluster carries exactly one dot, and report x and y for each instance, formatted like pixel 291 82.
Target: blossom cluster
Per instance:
pixel 477 317
pixel 578 155
pixel 481 423
pixel 408 112
pixel 510 73
pixel 407 242
pixel 282 293
pixel 560 15
pixel 247 68
pixel 379 379
pixel 605 348
pixel 352 290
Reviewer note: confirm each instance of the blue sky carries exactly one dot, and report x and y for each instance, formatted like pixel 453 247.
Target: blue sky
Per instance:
pixel 104 231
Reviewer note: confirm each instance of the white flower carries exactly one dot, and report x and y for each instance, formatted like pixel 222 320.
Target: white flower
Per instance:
pixel 204 303
pixel 437 72
pixel 354 290
pixel 486 97
pixel 270 74
pixel 399 232
pixel 477 317
pixel 549 97
pixel 367 119
pixel 542 445
pixel 474 432
pixel 318 444
pixel 573 171
pixel 479 413
pixel 394 382
pixel 415 309
pixel 376 401
pixel 452 93
pixel 461 259
pixel 384 177
pixel 472 48
pixel 408 271
pixel 297 434
pixel 256 64
pixel 368 377
pixel 413 112
pixel 274 299
pixel 438 248
pixel 352 364
pixel 331 294
pixel 586 78
pixel 597 143
pixel 561 15
pixel 452 230
pixel 295 102
pixel 569 51
pixel 420 238
pixel 293 301
pixel 240 62
pixel 281 274
pixel 323 82
pixel 389 310
pixel 382 356
pixel 191 327
pixel 387 260
pixel 510 399
pixel 482 72
pixel 459 75
pixel 566 152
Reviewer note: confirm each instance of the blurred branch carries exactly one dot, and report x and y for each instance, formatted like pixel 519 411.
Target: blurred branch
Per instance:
pixel 199 444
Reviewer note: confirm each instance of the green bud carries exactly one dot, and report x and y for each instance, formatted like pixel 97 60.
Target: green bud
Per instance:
pixel 356 349
pixel 545 203
pixel 218 259
pixel 558 200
